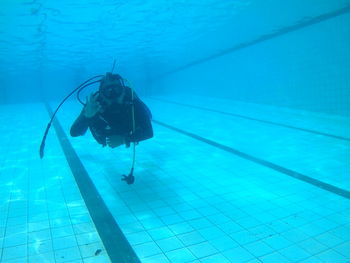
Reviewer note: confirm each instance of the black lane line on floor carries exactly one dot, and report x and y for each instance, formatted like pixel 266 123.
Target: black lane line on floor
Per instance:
pixel 291 173
pixel 118 248
pixel 285 30
pixel 258 120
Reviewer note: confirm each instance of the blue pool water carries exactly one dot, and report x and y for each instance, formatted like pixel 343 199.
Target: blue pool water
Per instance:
pixel 251 117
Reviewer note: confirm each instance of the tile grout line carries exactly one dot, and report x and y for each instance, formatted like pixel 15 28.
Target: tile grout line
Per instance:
pixel 118 248
pixel 255 119
pixel 304 178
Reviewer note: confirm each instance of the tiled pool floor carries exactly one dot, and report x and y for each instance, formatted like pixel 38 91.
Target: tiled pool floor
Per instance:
pixel 191 202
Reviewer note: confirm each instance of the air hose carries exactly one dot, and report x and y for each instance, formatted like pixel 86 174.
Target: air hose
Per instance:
pixel 130 178
pixel 81 86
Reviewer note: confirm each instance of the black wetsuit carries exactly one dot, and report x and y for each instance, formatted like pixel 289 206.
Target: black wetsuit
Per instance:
pixel 117 120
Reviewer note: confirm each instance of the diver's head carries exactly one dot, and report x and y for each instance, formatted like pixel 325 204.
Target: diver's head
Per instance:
pixel 111 86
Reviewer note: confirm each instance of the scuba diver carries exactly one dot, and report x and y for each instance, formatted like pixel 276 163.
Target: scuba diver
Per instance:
pixel 111 113
pixel 114 114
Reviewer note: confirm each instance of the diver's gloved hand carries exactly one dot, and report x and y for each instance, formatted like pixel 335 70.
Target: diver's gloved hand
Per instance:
pixel 130 179
pixel 92 106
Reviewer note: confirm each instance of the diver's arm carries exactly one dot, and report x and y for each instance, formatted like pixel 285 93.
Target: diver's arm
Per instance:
pixel 80 125
pixel 87 116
